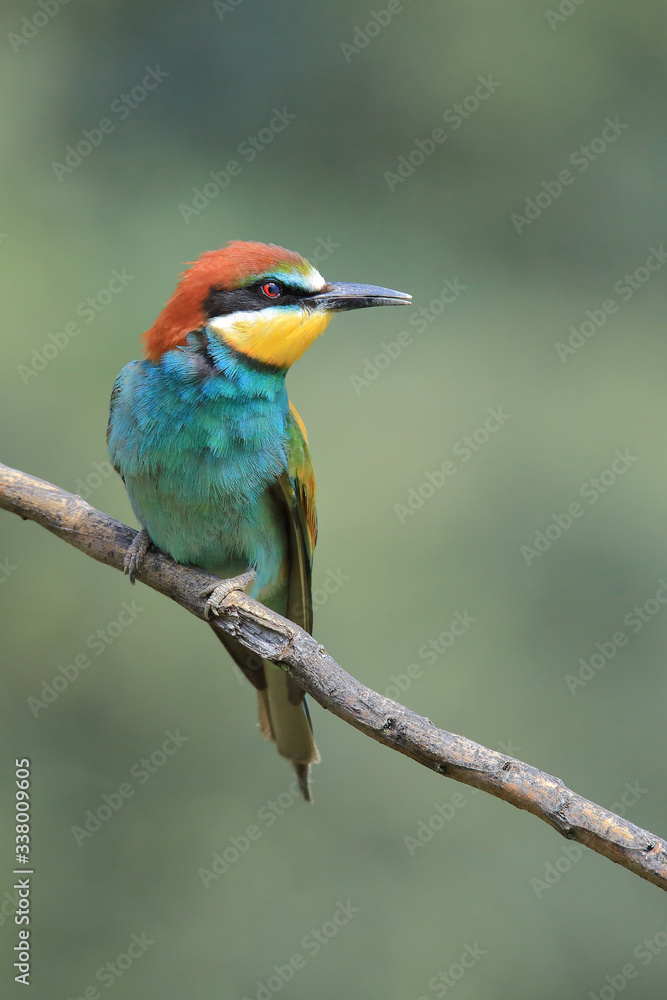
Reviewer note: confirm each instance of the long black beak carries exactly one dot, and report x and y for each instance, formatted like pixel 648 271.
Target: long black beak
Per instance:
pixel 340 295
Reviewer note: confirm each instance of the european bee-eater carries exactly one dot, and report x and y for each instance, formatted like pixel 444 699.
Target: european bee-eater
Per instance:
pixel 214 456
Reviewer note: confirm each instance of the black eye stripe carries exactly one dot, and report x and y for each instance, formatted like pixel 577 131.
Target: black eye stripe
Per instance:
pixel 221 302
pixel 293 291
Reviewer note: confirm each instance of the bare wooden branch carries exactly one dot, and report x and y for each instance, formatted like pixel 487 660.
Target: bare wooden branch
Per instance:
pixel 266 633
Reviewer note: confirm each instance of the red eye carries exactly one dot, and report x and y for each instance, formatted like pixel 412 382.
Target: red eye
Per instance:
pixel 271 289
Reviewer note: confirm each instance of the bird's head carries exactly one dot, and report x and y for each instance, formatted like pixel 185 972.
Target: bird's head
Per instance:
pixel 263 301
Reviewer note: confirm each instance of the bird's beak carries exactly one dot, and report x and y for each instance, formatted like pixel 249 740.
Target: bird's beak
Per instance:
pixel 339 296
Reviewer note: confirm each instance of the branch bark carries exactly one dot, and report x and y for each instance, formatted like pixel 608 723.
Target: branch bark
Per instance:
pixel 268 634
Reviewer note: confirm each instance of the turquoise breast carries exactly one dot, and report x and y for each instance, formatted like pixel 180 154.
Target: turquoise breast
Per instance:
pixel 199 438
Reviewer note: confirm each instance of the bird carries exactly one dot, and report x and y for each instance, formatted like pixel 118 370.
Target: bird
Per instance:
pixel 214 456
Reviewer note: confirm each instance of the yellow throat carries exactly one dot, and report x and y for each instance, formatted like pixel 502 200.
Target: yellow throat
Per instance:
pixel 275 336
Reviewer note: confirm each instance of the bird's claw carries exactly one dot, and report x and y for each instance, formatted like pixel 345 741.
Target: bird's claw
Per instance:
pixel 134 556
pixel 217 594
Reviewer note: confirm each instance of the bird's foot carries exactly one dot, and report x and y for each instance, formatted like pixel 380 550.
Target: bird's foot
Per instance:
pixel 136 552
pixel 220 591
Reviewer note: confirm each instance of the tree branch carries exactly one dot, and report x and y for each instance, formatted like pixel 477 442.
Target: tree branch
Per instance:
pixel 266 633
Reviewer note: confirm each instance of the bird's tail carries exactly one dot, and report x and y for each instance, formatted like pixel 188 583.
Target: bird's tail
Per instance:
pixel 283 712
pixel 284 718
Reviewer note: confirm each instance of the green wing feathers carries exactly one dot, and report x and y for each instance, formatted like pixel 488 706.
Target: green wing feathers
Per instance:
pixel 283 713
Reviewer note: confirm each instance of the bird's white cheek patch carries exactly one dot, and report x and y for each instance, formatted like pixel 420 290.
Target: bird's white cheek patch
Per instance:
pixel 310 279
pixel 276 336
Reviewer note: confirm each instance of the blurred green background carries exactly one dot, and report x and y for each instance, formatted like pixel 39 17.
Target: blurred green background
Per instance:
pixel 360 99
